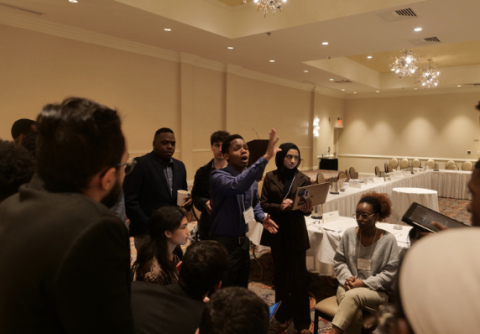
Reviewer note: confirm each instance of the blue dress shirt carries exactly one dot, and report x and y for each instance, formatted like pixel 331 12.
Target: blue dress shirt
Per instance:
pixel 228 188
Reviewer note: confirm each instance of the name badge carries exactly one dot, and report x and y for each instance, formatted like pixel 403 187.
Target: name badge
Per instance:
pixel 364 264
pixel 249 215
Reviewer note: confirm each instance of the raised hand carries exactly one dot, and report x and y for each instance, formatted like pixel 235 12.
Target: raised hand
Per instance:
pixel 271 150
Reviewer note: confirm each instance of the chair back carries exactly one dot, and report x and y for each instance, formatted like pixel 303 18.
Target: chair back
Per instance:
pixel 320 178
pixel 416 163
pixel 430 163
pixel 385 167
pixel 348 175
pixel 377 171
pixel 452 167
pixel 448 163
pixel 393 163
pixel 467 165
pixel 341 175
pixel 353 173
pixel 404 163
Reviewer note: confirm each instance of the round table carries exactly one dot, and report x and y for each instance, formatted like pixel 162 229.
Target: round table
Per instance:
pixel 402 198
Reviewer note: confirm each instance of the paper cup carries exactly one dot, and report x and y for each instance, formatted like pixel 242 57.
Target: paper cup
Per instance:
pixel 181 195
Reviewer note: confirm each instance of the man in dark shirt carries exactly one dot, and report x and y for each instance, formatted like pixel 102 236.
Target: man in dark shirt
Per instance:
pixel 21 128
pixel 153 183
pixel 201 185
pixel 235 204
pixel 177 308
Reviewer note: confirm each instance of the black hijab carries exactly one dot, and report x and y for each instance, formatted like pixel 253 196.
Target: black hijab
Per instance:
pixel 287 174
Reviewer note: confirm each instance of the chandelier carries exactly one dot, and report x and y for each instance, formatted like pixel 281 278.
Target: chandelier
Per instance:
pixel 266 5
pixel 428 75
pixel 404 65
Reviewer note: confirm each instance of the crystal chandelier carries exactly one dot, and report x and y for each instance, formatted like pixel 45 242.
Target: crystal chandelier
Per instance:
pixel 428 75
pixel 405 65
pixel 265 5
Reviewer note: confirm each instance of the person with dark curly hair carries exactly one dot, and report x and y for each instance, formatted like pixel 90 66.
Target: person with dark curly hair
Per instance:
pixel 16 168
pixel 365 264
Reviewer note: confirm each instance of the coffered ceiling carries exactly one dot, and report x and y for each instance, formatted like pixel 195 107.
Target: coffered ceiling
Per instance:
pixel 293 38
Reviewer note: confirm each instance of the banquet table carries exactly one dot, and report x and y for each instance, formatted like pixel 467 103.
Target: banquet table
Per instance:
pixel 402 198
pixel 451 183
pixel 325 238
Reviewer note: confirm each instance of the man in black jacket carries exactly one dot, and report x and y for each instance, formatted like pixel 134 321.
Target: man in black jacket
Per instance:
pixel 65 257
pixel 201 185
pixel 177 308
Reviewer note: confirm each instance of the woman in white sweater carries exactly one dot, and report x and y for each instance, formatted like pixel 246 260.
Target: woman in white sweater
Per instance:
pixel 366 263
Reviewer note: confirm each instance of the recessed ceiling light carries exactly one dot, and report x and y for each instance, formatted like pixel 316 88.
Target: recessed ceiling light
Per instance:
pixel 343 90
pixel 354 92
pixel 418 29
pixel 167 29
pixel 230 47
pixel 369 57
pixel 73 1
pixel 378 91
pixel 459 86
pixel 324 43
pixel 272 60
pixel 415 88
pixel 306 71
pixel 332 79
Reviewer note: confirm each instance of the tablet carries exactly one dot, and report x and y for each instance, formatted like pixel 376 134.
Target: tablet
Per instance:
pixel 422 217
pixel 273 309
pixel 317 193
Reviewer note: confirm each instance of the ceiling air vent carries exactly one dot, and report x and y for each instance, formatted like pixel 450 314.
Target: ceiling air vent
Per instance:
pixel 398 15
pixel 425 41
pixel 472 84
pixel 20 8
pixel 342 81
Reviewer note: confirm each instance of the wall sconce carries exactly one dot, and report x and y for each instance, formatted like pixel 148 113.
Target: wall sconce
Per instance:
pixel 316 127
pixel 339 122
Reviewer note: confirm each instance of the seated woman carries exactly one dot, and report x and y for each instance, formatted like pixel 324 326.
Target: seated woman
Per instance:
pixel 158 257
pixel 365 264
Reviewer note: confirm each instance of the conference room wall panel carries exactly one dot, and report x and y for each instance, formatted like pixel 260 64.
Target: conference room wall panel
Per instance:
pixel 441 127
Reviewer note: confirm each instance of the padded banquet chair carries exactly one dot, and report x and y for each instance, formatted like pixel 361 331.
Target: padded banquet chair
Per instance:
pixel 393 163
pixel 430 163
pixel 353 173
pixel 404 163
pixel 452 167
pixel 467 165
pixel 341 175
pixel 377 171
pixel 328 307
pixel 348 175
pixel 416 163
pixel 320 178
pixel 449 163
pixel 385 167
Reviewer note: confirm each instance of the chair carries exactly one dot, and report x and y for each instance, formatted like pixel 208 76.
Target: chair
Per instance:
pixel 430 163
pixel 377 171
pixel 341 175
pixel 393 163
pixel 452 167
pixel 404 163
pixel 353 173
pixel 385 167
pixel 348 175
pixel 416 163
pixel 449 163
pixel 320 178
pixel 328 307
pixel 467 165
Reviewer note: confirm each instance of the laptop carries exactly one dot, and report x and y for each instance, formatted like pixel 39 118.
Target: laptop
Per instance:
pixel 317 193
pixel 273 309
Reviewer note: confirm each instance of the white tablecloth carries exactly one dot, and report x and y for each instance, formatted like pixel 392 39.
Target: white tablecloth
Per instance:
pixel 451 183
pixel 402 198
pixel 325 238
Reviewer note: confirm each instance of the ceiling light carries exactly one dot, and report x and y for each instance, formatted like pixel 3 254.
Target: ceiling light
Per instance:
pixel 266 5
pixel 378 91
pixel 369 57
pixel 332 79
pixel 272 60
pixel 415 88
pixel 230 47
pixel 167 29
pixel 306 71
pixel 343 90
pixel 324 43
pixel 428 75
pixel 73 1
pixel 459 86
pixel 354 92
pixel 418 29
pixel 404 65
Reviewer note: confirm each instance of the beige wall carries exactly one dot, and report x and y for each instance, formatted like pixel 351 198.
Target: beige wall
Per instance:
pixel 441 127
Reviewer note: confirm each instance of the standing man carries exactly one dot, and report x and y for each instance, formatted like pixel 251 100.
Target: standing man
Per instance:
pixel 201 185
pixel 235 204
pixel 21 128
pixel 153 183
pixel 65 257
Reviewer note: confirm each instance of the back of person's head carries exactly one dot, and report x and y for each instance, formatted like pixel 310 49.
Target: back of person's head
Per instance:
pixel 380 203
pixel 218 137
pixel 78 139
pixel 228 140
pixel 203 266
pixel 17 166
pixel 167 218
pixel 22 127
pixel 235 310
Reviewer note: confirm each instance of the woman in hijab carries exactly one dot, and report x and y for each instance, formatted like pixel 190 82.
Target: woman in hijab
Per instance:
pixel 290 243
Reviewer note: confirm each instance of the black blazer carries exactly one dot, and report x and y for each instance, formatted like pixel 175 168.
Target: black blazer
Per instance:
pixel 146 189
pixel 164 309
pixel 64 262
pixel 292 232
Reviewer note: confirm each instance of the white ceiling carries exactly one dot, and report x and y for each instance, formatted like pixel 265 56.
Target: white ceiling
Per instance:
pixel 205 28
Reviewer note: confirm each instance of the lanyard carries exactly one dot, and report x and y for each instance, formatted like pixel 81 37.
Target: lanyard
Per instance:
pixel 373 245
pixel 288 192
pixel 251 200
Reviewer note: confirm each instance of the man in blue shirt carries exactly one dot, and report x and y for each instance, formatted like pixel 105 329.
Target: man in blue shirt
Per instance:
pixel 235 203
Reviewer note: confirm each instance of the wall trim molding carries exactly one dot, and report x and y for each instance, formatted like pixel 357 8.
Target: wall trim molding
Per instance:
pixel 388 157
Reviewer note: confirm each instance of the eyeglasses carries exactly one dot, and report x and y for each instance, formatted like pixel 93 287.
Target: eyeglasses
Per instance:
pixel 290 157
pixel 129 165
pixel 362 216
